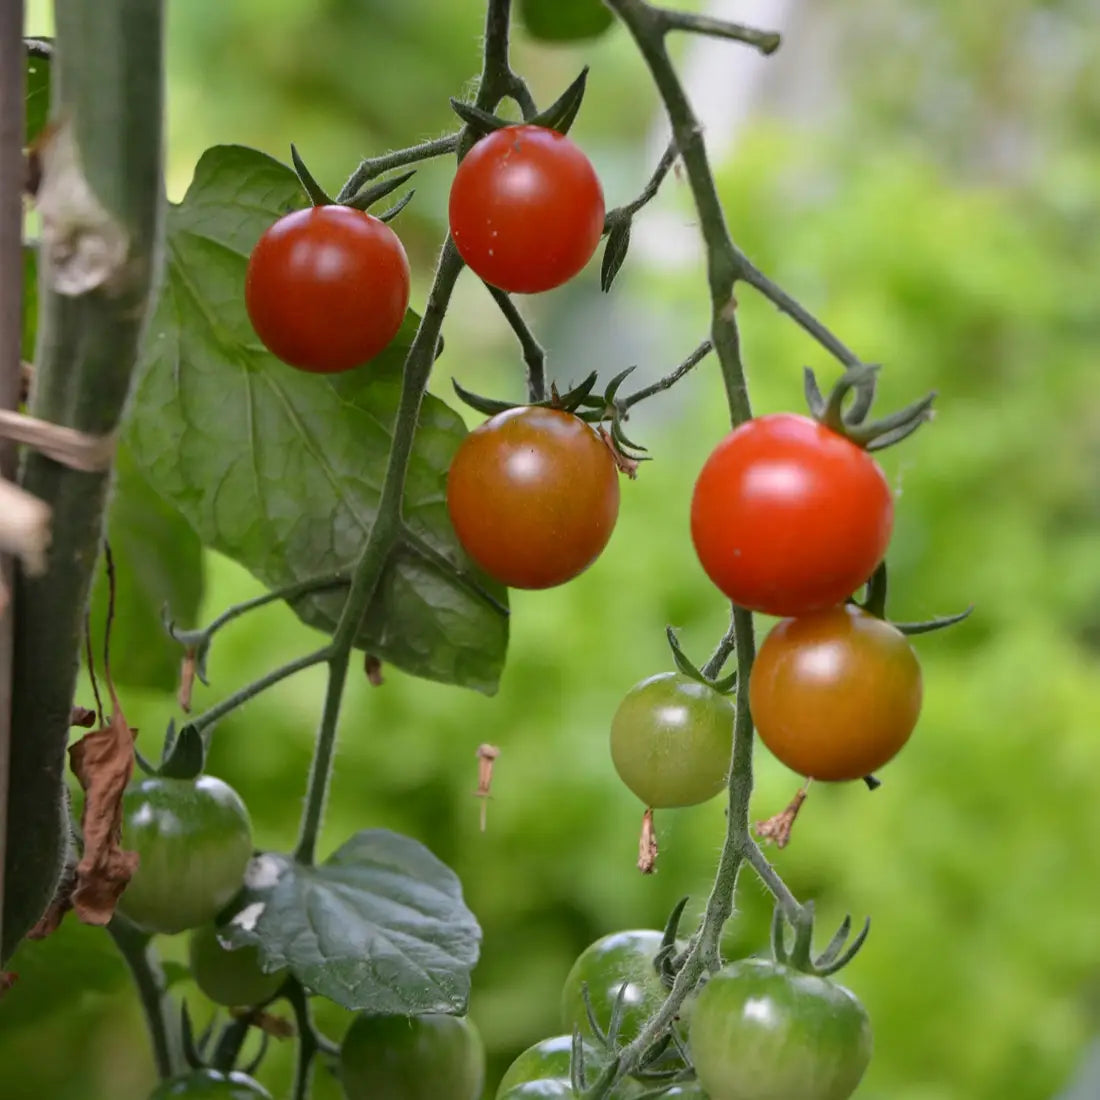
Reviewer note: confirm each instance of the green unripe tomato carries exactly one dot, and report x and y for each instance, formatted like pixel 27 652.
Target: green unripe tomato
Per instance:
pixel 762 1031
pixel 671 740
pixel 209 1084
pixel 544 1071
pixel 604 966
pixel 194 840
pixel 230 977
pixel 565 20
pixel 412 1058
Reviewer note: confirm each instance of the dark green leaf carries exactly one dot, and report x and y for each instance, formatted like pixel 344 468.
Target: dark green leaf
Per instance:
pixel 282 470
pixel 38 86
pixel 379 927
pixel 614 252
pixel 158 561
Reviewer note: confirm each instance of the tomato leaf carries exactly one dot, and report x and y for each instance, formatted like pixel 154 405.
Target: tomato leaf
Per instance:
pixel 379 927
pixel 158 562
pixel 282 470
pixel 614 252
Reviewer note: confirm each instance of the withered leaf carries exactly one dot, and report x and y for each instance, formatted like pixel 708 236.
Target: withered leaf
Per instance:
pixel 103 761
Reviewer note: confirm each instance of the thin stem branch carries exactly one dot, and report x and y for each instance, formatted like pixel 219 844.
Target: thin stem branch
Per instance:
pixel 208 718
pixel 767 42
pixel 373 167
pixel 161 1016
pixel 533 354
pixel 649 192
pixel 713 668
pixel 11 322
pixel 693 360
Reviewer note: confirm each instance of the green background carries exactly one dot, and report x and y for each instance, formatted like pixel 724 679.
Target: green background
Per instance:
pixel 933 197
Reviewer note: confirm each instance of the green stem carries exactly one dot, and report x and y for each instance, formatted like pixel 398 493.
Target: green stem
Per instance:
pixel 766 42
pixel 108 80
pixel 670 379
pixel 387 531
pixel 161 1016
pixel 649 192
pixel 533 354
pixel 377 166
pixel 205 721
pixel 11 325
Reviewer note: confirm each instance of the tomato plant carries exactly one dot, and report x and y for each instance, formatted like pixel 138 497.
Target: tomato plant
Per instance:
pixel 209 1084
pixel 788 516
pixel 412 1058
pixel 762 1031
pixel 622 957
pixel 671 740
pixel 194 840
pixel 533 494
pixel 526 209
pixel 230 977
pixel 835 695
pixel 544 1071
pixel 327 288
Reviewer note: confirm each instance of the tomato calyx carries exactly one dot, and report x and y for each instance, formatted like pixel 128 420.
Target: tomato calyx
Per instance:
pixel 184 754
pixel 725 685
pixel 874 603
pixel 799 955
pixel 558 116
pixel 859 382
pixel 362 200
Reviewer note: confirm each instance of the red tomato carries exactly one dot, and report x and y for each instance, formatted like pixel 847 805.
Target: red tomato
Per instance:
pixel 526 209
pixel 327 288
pixel 835 695
pixel 533 495
pixel 789 517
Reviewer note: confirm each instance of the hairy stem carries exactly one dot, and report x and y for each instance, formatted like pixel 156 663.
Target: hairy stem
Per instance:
pixel 376 166
pixel 693 360
pixel 533 354
pixel 11 321
pixel 105 198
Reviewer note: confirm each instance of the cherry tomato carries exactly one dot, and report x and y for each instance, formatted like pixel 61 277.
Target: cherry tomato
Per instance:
pixel 327 288
pixel 605 965
pixel 194 840
pixel 671 740
pixel 544 1071
pixel 789 517
pixel 230 977
pixel 565 20
pixel 526 209
pixel 412 1058
pixel 533 495
pixel 761 1031
pixel 209 1084
pixel 836 694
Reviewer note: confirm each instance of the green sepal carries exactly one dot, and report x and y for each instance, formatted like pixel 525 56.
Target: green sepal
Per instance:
pixel 563 111
pixel 391 212
pixel 576 1063
pixel 614 251
pixel 572 399
pixel 612 390
pixel 191 1051
pixel 832 959
pixel 195 642
pixel 815 399
pixel 480 122
pixel 487 405
pixel 873 782
pixel 940 623
pixel 590 1013
pixel 184 753
pixel 317 194
pixel 723 686
pixel 366 198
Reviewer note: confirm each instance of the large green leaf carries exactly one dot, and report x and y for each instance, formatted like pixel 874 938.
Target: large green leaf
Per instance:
pixel 158 564
pixel 380 927
pixel 282 470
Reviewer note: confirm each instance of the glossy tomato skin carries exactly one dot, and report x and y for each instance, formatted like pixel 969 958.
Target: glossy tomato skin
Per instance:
pixel 526 209
pixel 835 695
pixel 544 1071
pixel 671 740
pixel 533 494
pixel 230 977
pixel 789 517
pixel 209 1084
pixel 194 839
pixel 327 288
pixel 412 1058
pixel 604 965
pixel 761 1031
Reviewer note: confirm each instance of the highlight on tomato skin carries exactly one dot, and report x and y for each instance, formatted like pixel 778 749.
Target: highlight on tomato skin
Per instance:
pixel 533 494
pixel 526 209
pixel 327 288
pixel 835 695
pixel 788 517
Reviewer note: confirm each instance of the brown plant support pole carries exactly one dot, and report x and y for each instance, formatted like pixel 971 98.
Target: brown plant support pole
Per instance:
pixel 11 323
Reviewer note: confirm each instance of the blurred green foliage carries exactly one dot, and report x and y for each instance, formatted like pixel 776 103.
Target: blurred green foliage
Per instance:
pixel 960 270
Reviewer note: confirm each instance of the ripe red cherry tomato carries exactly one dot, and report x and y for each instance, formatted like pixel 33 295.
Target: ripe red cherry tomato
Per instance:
pixel 789 517
pixel 526 209
pixel 327 288
pixel 835 695
pixel 533 495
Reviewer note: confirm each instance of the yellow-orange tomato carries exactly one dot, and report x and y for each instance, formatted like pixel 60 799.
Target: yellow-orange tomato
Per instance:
pixel 836 694
pixel 533 494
